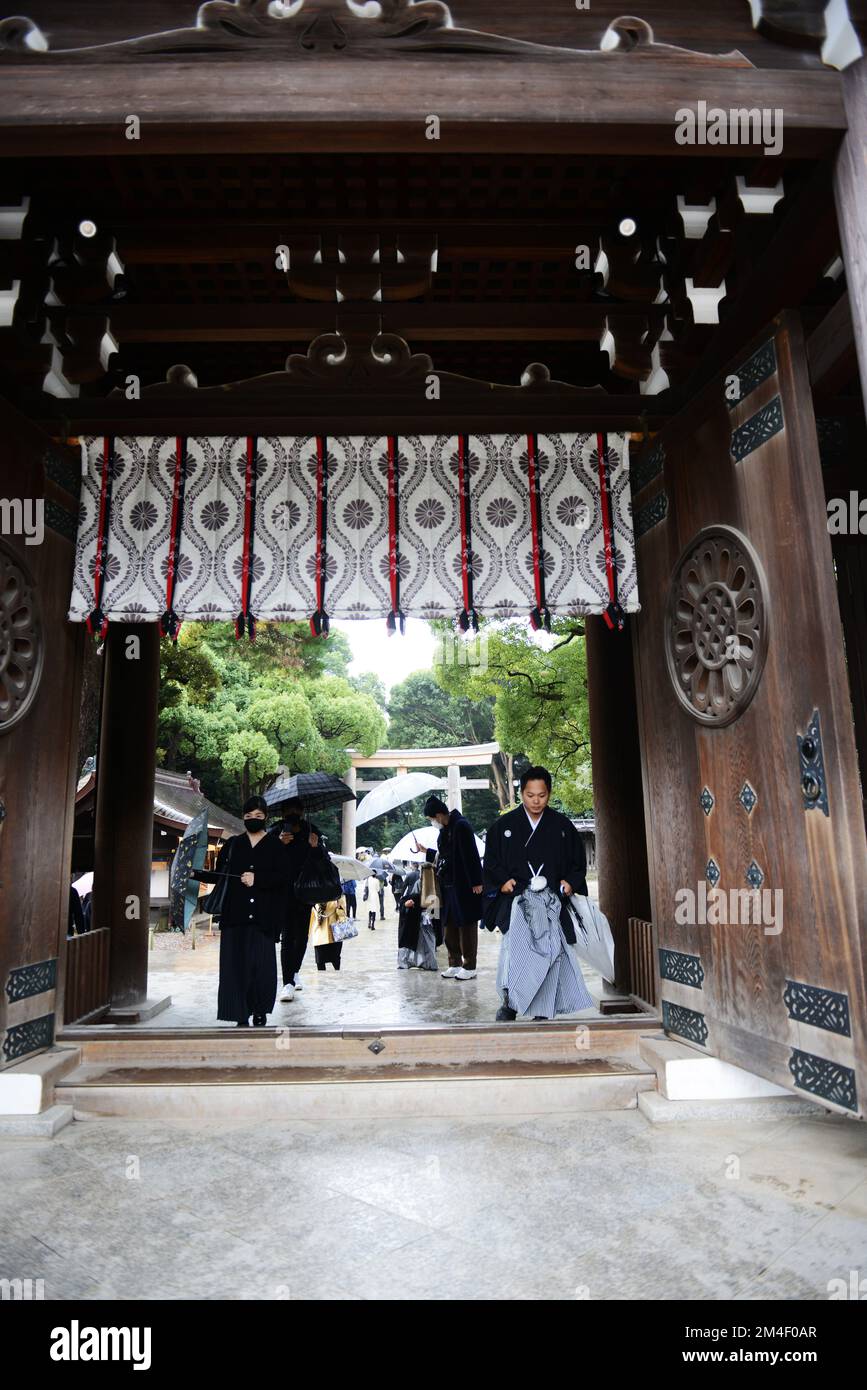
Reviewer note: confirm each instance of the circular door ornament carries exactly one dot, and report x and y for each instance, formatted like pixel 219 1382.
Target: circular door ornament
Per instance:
pixel 716 635
pixel 21 643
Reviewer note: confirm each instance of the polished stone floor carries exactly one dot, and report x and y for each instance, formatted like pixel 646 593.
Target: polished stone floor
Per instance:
pixel 596 1205
pixel 368 989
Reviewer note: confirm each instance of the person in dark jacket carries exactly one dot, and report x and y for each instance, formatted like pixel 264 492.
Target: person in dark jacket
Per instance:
pixel 349 886
pixel 459 871
pixel 530 843
pixel 298 837
pixel 251 918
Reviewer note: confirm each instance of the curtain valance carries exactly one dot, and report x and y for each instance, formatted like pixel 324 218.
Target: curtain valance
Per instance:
pixel 315 527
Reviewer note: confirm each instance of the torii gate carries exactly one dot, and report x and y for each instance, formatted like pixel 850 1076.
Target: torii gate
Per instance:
pixel 471 755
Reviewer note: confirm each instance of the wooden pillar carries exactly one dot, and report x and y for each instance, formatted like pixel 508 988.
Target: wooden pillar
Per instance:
pixel 850 195
pixel 347 827
pixel 123 841
pixel 618 798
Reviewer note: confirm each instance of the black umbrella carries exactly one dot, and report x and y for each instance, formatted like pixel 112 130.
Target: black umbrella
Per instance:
pixel 315 789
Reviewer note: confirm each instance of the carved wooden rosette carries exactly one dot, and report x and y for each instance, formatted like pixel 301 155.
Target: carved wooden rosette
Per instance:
pixel 21 639
pixel 716 634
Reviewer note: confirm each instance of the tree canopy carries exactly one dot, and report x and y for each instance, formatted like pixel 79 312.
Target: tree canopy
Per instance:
pixel 238 711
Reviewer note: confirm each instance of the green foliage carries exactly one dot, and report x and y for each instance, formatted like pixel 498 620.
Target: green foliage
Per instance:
pixel 539 701
pixel 423 713
pixel 235 712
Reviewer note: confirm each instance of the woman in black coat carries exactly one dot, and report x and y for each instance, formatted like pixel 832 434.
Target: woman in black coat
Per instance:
pixel 256 874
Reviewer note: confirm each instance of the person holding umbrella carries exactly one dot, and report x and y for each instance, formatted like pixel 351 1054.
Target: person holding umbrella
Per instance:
pixel 255 871
pixel 298 837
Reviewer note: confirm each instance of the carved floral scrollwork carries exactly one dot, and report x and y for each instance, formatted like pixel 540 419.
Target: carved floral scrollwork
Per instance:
pixel 364 27
pixel 332 359
pixel 717 626
pixel 21 640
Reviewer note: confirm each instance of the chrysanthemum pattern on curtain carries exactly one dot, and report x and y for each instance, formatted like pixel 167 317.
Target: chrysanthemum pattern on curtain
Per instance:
pixel 505 553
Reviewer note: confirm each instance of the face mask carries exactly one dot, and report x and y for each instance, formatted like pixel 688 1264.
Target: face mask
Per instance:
pixel 252 824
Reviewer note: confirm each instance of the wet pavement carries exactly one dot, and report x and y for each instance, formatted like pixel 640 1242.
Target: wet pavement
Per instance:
pixel 368 989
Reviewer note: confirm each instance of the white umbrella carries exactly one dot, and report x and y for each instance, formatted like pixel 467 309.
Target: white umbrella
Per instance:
pixel 350 868
pixel 426 836
pixel 394 791
pixel 594 943
pixel 84 884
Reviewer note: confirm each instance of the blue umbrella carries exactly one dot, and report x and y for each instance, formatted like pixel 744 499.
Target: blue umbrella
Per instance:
pixel 189 856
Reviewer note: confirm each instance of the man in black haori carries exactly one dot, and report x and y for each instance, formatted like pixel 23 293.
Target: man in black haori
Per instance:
pixel 459 871
pixel 537 848
pixel 253 867
pixel 298 837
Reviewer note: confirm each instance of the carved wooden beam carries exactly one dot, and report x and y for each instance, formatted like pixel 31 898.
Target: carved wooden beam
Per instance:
pixel 488 321
pixel 311 28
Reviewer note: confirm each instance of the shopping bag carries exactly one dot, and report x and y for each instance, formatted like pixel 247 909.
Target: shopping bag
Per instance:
pixel 318 880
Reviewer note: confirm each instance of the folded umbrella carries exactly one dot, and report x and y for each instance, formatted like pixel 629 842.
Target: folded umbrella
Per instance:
pixel 594 943
pixel 189 856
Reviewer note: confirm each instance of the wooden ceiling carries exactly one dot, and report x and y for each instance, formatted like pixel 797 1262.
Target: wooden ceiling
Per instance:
pixel 200 284
pixel 232 235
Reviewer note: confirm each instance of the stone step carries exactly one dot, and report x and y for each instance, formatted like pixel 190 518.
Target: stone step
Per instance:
pixel 658 1110
pixel 686 1073
pixel 274 1090
pixel 42 1126
pixel 27 1087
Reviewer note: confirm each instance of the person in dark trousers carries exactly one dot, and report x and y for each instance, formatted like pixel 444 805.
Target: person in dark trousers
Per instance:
pixel 459 870
pixel 257 882
pixel 299 838
pixel 528 844
pixel 349 886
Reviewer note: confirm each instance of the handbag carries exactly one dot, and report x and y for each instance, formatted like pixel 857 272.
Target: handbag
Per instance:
pixel 318 880
pixel 344 931
pixel 213 902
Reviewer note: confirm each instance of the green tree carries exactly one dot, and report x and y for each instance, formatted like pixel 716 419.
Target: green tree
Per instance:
pixel 236 712
pixel 540 701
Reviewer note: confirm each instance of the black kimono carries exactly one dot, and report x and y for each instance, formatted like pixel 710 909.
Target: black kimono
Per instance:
pixel 408 918
pixel 513 849
pixel 250 924
pixel 459 870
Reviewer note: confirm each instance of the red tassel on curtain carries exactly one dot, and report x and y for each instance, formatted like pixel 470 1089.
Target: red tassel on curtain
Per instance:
pixel 395 618
pixel 319 621
pixel 614 615
pixel 245 622
pixel 540 616
pixel 96 621
pixel 467 618
pixel 170 623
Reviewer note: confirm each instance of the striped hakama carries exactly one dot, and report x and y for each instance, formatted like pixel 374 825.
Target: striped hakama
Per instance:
pixel 536 967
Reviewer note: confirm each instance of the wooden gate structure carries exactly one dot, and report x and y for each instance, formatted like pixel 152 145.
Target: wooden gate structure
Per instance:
pixel 316 218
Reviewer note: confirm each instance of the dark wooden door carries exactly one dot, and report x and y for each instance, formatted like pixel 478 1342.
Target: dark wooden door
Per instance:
pixel 748 752
pixel 40 682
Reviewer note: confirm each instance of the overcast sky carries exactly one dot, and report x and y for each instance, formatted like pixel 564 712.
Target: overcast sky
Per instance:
pixel 391 658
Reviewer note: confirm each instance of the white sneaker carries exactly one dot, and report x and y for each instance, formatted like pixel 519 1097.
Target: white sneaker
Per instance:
pixel 298 985
pixel 463 974
pixel 451 973
pixel 287 994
